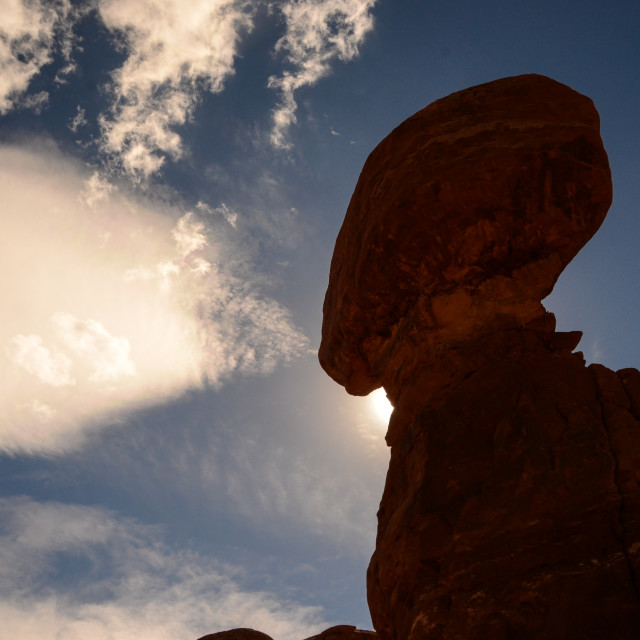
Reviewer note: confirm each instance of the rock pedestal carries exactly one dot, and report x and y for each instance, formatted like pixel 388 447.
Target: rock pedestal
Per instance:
pixel 512 505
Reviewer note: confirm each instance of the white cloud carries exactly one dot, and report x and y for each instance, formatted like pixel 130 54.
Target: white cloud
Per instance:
pixel 127 584
pixel 51 367
pixel 114 307
pixel 189 235
pixel 223 210
pixel 79 120
pixel 31 31
pixel 317 33
pixel 96 189
pixel 107 355
pixel 175 50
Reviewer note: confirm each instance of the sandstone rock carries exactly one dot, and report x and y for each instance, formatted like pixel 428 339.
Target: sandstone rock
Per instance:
pixel 345 632
pixel 237 634
pixel 463 217
pixel 511 508
pixel 340 632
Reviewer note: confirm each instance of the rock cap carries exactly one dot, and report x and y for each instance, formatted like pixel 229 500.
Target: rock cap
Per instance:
pixel 461 222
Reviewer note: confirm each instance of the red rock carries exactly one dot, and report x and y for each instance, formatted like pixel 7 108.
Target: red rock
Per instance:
pixel 345 632
pixel 340 632
pixel 512 503
pixel 465 214
pixel 237 634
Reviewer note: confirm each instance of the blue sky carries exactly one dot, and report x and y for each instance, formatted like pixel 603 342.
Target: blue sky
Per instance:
pixel 173 176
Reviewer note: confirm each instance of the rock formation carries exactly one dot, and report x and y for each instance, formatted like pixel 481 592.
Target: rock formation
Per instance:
pixel 345 632
pixel 341 632
pixel 511 509
pixel 512 504
pixel 237 634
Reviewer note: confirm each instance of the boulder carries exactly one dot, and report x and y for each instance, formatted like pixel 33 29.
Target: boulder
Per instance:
pixel 461 222
pixel 345 632
pixel 237 634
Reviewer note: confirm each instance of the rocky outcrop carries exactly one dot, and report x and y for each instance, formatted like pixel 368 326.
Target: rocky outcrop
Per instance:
pixel 340 632
pixel 237 634
pixel 511 506
pixel 345 632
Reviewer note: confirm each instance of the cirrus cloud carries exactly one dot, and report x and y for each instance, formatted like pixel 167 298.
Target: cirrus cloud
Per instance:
pixel 115 306
pixel 30 34
pixel 317 33
pixel 51 367
pixel 127 583
pixel 175 50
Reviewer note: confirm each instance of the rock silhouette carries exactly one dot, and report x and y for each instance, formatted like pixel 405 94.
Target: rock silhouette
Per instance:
pixel 237 634
pixel 340 632
pixel 511 507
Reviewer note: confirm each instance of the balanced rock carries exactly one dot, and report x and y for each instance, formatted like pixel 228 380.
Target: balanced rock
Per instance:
pixel 461 222
pixel 511 508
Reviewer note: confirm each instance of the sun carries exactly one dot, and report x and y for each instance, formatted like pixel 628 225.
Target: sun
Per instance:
pixel 379 404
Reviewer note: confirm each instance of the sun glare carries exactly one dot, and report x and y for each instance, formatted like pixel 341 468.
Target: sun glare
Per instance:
pixel 380 405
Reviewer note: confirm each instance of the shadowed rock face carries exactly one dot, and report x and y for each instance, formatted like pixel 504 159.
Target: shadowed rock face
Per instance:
pixel 511 509
pixel 340 632
pixel 237 634
pixel 461 222
pixel 512 503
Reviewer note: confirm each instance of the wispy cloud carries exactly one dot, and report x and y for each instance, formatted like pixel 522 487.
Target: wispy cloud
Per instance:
pixel 271 485
pixel 51 367
pixel 127 584
pixel 223 210
pixel 177 52
pixel 174 51
pixel 115 306
pixel 107 356
pixel 318 32
pixel 79 120
pixel 31 32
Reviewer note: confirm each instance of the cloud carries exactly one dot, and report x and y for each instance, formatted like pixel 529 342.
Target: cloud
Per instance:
pixel 31 32
pixel 108 356
pixel 76 572
pixel 96 189
pixel 270 486
pixel 79 120
pixel 189 235
pixel 115 306
pixel 223 210
pixel 174 51
pixel 51 367
pixel 317 33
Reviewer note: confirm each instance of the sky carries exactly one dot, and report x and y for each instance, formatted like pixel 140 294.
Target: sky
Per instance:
pixel 173 175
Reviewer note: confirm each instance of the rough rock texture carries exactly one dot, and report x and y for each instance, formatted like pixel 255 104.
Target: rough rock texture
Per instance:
pixel 345 632
pixel 512 503
pixel 237 634
pixel 341 632
pixel 461 221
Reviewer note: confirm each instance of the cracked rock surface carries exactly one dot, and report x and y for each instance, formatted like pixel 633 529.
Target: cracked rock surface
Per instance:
pixel 511 508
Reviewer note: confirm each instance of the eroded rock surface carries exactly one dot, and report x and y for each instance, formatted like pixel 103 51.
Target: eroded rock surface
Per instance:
pixel 512 503
pixel 237 634
pixel 340 632
pixel 345 632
